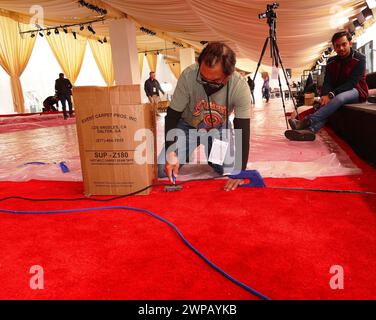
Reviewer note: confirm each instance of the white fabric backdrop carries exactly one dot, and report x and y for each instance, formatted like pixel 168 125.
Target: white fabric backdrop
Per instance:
pixel 304 27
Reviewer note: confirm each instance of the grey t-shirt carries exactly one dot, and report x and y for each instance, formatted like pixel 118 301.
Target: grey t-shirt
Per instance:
pixel 190 98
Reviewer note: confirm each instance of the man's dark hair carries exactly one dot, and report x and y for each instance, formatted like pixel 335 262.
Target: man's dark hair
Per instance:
pixel 151 72
pixel 61 75
pixel 340 34
pixel 218 51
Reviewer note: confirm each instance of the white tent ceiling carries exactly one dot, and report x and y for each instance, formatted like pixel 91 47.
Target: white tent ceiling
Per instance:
pixel 304 28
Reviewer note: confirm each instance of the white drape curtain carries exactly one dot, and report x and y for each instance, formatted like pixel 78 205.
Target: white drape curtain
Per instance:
pixel 304 28
pixel 15 52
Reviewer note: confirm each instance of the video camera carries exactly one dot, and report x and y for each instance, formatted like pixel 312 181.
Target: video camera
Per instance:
pixel 269 13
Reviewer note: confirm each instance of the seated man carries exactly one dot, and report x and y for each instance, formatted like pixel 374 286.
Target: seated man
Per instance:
pixel 48 104
pixel 206 94
pixel 344 82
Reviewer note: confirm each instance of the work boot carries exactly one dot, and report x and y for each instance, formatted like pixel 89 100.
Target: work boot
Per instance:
pixel 300 135
pixel 299 125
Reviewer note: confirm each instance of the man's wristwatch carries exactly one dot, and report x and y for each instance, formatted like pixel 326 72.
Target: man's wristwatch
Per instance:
pixel 331 95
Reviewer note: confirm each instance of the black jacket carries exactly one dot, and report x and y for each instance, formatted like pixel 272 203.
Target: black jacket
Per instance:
pixel 63 87
pixel 149 85
pixel 50 101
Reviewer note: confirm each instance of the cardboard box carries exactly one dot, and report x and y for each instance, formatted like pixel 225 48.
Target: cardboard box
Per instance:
pixel 107 119
pixel 309 99
pixel 163 105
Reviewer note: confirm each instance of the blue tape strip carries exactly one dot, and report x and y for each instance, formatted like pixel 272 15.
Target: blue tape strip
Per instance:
pixel 253 176
pixel 64 167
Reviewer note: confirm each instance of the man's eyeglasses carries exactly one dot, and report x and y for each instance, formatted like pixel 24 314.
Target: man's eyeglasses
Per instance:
pixel 211 84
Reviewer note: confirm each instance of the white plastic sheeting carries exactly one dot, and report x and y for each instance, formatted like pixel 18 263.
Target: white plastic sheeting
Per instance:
pixel 29 153
pixel 275 156
pixel 37 153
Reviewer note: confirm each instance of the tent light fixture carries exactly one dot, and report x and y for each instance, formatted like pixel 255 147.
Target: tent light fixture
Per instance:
pixel 178 44
pixel 64 27
pixel 147 31
pixel 367 13
pixel 155 51
pixel 92 7
pixel 90 28
pixel 356 24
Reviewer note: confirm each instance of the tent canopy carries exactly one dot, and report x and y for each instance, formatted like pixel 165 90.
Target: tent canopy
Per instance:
pixel 304 28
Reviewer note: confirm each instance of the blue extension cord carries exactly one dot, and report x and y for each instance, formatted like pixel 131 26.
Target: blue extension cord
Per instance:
pixel 170 224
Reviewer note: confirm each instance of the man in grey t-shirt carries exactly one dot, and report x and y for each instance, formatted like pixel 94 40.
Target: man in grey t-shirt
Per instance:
pixel 205 95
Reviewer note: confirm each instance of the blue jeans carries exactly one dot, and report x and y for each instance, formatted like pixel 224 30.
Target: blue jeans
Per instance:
pixel 266 94
pixel 319 118
pixel 187 143
pixel 63 100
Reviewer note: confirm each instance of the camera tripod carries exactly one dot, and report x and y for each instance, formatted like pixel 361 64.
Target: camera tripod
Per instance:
pixel 274 54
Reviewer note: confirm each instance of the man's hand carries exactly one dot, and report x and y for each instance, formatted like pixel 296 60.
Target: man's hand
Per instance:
pixel 172 165
pixel 324 100
pixel 232 184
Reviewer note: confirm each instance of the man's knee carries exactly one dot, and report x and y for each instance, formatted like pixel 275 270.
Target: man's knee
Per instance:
pixel 347 97
pixel 340 99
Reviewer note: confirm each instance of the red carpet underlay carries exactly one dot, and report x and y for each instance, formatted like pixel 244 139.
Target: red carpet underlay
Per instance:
pixel 280 242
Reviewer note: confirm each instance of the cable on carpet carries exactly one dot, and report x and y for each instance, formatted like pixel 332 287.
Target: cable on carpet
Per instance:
pixel 181 183
pixel 170 224
pixel 108 199
pixel 325 190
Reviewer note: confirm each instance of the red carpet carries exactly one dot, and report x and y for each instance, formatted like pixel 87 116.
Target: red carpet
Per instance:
pixel 280 242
